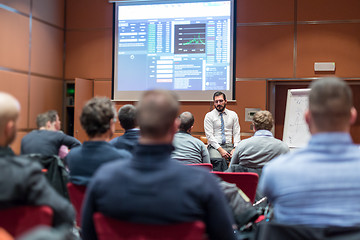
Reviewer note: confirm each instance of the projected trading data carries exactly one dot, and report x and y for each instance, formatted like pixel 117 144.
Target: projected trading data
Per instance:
pixel 177 46
pixel 190 38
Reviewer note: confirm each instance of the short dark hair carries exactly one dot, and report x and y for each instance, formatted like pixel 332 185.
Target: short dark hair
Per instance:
pixel 127 116
pixel 156 112
pixel 330 103
pixel 42 119
pixel 218 93
pixel 186 121
pixel 96 116
pixel 263 120
pixel 52 115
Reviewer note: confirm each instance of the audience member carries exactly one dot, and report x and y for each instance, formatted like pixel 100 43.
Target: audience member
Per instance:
pixel 221 126
pixel 319 185
pixel 54 119
pixel 55 125
pixel 127 119
pixel 188 149
pixel 21 180
pixel 253 153
pixel 98 120
pixel 47 140
pixel 152 188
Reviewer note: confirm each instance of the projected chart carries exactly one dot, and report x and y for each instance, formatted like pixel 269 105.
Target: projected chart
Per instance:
pixel 190 38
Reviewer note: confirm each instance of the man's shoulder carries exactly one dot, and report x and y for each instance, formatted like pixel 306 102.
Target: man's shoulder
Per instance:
pixel 188 137
pixel 211 113
pixel 20 162
pixel 230 112
pixel 108 148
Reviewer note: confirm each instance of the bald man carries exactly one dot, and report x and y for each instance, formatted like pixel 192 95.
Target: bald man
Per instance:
pixel 21 180
pixel 188 149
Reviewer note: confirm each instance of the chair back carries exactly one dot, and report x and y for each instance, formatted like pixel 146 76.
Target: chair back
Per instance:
pixel 20 219
pixel 77 194
pixel 246 181
pixel 208 166
pixel 108 228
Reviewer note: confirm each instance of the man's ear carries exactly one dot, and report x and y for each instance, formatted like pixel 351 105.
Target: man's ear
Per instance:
pixel 48 125
pixel 9 127
pixel 176 124
pixel 353 115
pixel 307 116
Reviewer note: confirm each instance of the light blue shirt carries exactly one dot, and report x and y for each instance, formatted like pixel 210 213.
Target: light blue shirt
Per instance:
pixel 318 185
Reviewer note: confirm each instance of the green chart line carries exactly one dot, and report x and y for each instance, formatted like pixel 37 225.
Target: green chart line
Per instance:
pixel 195 40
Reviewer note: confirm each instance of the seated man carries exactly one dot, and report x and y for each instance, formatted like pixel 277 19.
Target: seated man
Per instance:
pixel 222 131
pixel 319 185
pixel 21 181
pixel 187 148
pixel 98 120
pixel 126 115
pixel 152 188
pixel 253 153
pixel 47 140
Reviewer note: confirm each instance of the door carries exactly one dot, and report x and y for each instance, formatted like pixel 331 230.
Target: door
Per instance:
pixel 84 91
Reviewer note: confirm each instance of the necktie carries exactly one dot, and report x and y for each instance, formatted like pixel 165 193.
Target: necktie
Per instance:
pixel 223 139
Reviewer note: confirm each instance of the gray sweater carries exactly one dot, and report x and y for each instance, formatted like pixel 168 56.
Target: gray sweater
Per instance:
pixel 256 151
pixel 189 149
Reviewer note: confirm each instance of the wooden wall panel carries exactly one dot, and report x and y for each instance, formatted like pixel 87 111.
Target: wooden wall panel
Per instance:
pixel 339 43
pixel 328 10
pixel 45 94
pixel 16 84
pixel 14 40
pixel 52 12
pixel 102 88
pixel 47 50
pixel 20 5
pixel 249 94
pixel 265 11
pixel 264 51
pixel 85 14
pixel 81 97
pixel 88 54
pixel 15 146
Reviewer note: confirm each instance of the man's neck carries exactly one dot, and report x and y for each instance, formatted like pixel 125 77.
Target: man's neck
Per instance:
pixel 155 141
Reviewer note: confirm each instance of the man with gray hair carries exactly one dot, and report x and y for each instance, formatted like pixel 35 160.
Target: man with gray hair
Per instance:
pixel 127 119
pixel 318 185
pixel 188 149
pixel 152 188
pixel 22 181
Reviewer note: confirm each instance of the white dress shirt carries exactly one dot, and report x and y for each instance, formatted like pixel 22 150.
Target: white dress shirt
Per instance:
pixel 212 125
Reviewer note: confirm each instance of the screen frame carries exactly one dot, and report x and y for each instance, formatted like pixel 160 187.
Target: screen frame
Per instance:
pixel 209 93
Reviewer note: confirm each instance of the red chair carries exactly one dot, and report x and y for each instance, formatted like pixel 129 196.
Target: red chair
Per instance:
pixel 108 228
pixel 18 220
pixel 208 166
pixel 76 194
pixel 246 181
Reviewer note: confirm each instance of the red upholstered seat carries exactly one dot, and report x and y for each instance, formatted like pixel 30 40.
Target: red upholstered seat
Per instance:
pixel 76 193
pixel 246 181
pixel 108 228
pixel 18 220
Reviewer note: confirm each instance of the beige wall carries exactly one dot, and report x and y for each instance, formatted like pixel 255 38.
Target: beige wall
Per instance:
pixel 277 41
pixel 31 57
